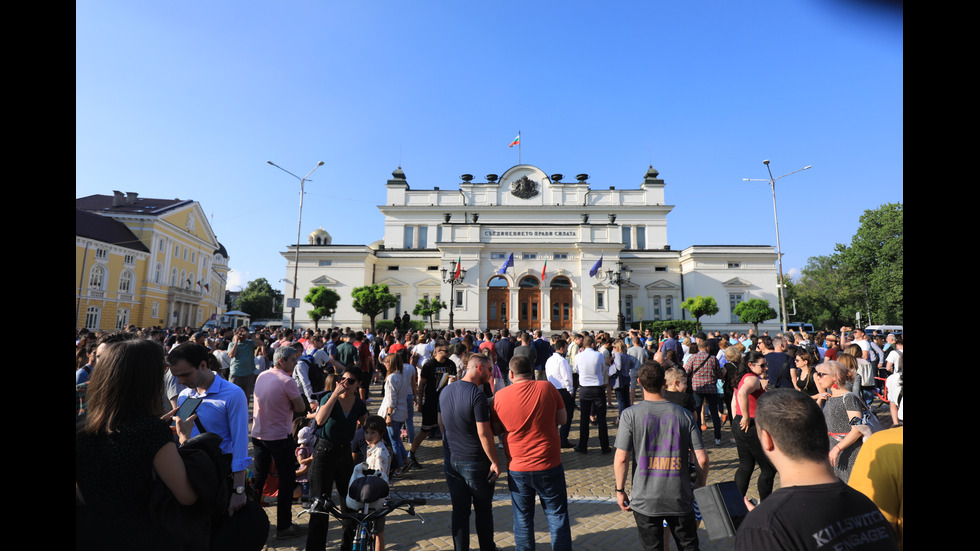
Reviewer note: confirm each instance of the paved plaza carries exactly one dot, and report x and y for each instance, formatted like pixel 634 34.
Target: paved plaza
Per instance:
pixel 597 522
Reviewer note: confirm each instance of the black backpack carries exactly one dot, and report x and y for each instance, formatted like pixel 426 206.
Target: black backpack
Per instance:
pixel 317 377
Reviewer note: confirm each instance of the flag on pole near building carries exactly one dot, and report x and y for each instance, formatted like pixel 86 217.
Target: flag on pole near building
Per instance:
pixel 544 269
pixel 516 141
pixel 459 267
pixel 508 264
pixel 595 269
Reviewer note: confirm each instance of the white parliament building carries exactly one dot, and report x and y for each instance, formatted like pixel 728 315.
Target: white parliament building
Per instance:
pixel 557 231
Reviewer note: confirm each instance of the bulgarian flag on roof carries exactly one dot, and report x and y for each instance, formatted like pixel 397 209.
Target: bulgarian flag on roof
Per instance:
pixel 516 141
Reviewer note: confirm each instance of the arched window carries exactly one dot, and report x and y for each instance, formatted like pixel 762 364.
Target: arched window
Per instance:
pixel 498 281
pixel 96 278
pixel 529 282
pixel 561 282
pixel 158 273
pixel 183 279
pixel 122 318
pixel 93 314
pixel 174 281
pixel 126 282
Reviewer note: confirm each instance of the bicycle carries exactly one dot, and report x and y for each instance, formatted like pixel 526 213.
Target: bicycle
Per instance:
pixel 365 491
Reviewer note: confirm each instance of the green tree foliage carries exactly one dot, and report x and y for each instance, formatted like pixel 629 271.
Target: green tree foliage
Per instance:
pixel 324 301
pixel 371 300
pixel 259 299
pixel 700 306
pixel 865 276
pixel 427 308
pixel 755 311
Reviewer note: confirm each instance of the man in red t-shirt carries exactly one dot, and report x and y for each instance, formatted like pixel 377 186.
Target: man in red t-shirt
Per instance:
pixel 529 412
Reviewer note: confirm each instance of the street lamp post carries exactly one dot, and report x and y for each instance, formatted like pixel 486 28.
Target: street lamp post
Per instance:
pixel 299 225
pixel 617 278
pixel 779 252
pixel 449 276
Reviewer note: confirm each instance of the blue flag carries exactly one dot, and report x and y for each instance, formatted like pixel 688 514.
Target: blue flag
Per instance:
pixel 595 269
pixel 508 264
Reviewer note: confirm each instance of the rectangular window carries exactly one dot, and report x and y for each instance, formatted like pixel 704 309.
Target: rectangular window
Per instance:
pixel 409 237
pixel 432 268
pixel 656 308
pixel 660 268
pixel 325 262
pixel 627 242
pixel 561 256
pixel 670 308
pixel 734 265
pixel 423 236
pixel 101 253
pixel 600 300
pixel 498 256
pixel 734 299
pixel 128 260
pixel 641 237
pixel 438 234
pixel 628 308
pixel 529 256
pixel 436 316
pixel 392 268
pixel 459 299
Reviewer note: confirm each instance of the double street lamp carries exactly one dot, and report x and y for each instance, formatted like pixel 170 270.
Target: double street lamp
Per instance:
pixel 618 278
pixel 299 224
pixel 454 275
pixel 779 252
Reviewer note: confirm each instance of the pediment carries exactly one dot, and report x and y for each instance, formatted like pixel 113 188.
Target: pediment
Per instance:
pixel 662 285
pixel 392 283
pixel 429 283
pixel 736 282
pixel 325 281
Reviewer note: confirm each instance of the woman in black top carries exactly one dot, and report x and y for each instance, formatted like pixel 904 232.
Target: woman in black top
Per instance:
pixel 337 418
pixel 804 376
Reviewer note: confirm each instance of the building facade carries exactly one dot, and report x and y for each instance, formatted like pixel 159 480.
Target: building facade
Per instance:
pixel 146 262
pixel 557 232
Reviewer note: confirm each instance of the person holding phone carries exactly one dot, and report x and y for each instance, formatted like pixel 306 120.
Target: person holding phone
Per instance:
pixel 223 410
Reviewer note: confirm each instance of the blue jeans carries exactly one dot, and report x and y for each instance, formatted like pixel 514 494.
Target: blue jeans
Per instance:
pixel 410 421
pixel 469 488
pixel 550 485
pixel 399 454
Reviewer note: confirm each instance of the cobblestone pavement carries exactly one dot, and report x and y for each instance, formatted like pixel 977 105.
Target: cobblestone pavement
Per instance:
pixel 597 522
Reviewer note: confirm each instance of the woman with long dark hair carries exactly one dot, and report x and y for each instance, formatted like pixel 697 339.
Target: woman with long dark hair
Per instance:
pixel 804 380
pixel 119 445
pixel 750 385
pixel 393 407
pixel 336 422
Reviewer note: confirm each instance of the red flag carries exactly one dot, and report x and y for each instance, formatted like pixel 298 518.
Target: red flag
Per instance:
pixel 459 267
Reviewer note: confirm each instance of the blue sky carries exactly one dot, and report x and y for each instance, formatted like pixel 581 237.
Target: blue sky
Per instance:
pixel 190 99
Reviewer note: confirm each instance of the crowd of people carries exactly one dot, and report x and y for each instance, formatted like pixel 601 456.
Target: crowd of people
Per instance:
pixel 318 408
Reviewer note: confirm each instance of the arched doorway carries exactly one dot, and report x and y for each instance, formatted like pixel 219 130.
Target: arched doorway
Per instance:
pixel 498 297
pixel 561 304
pixel 529 304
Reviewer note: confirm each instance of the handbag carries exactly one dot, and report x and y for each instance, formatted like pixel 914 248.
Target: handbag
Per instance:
pixel 869 422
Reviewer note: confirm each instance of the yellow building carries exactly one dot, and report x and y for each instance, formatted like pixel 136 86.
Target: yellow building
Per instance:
pixel 146 262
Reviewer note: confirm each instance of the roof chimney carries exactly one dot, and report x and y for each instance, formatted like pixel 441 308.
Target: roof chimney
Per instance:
pixel 117 198
pixel 131 197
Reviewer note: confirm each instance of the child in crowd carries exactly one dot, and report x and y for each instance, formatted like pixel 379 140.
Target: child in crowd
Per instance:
pixel 375 455
pixel 304 458
pixel 675 389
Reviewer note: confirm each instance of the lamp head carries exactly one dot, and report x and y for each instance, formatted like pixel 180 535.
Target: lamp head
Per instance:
pixel 766 162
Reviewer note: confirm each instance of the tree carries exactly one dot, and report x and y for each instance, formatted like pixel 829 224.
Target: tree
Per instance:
pixel 875 261
pixel 700 306
pixel 258 299
pixel 324 301
pixel 755 311
pixel 865 276
pixel 427 309
pixel 371 300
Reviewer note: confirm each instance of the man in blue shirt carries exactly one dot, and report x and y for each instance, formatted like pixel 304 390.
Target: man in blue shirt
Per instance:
pixel 224 411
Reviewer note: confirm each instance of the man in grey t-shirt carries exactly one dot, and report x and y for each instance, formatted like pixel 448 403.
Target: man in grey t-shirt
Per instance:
pixel 660 435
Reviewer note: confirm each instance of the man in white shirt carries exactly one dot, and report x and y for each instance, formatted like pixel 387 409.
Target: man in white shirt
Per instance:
pixel 591 367
pixel 559 372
